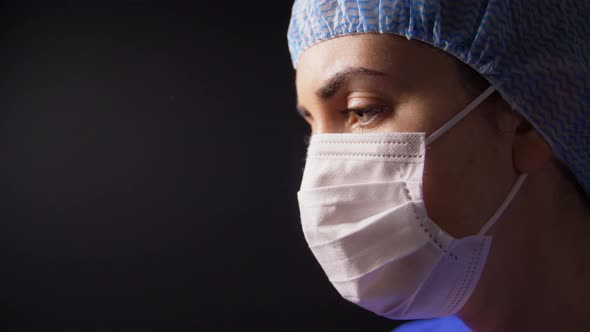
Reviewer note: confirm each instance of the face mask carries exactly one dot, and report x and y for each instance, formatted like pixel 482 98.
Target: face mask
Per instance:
pixel 364 218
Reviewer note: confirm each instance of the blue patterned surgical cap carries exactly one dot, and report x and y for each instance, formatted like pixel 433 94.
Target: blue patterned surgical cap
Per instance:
pixel 536 53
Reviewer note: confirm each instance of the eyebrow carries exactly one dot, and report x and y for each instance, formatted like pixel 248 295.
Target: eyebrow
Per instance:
pixel 334 83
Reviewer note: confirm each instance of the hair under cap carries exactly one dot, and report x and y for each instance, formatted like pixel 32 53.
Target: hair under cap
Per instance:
pixel 536 53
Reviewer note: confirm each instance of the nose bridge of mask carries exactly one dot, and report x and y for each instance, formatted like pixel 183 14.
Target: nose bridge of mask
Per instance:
pixel 347 159
pixel 453 121
pixel 367 145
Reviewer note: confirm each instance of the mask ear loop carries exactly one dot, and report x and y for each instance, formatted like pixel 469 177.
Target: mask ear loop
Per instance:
pixel 504 205
pixel 519 181
pixel 440 131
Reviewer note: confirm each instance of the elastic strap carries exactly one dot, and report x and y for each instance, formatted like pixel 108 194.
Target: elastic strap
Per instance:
pixel 440 131
pixel 504 205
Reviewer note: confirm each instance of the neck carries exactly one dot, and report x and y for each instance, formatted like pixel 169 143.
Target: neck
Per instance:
pixel 536 278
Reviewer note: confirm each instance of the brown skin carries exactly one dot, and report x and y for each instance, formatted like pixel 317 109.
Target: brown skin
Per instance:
pixel 536 275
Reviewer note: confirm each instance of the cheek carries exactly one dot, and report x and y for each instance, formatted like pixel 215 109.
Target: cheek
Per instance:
pixel 466 173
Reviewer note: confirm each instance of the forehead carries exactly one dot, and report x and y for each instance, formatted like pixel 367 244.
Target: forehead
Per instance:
pixel 402 59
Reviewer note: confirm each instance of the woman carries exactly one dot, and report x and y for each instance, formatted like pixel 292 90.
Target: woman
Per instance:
pixel 449 168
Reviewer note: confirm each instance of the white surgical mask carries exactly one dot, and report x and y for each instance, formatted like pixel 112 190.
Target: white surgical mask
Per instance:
pixel 364 218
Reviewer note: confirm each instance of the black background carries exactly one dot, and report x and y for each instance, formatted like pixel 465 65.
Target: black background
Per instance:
pixel 150 156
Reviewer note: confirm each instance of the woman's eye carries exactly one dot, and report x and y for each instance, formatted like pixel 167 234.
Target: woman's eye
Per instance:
pixel 364 117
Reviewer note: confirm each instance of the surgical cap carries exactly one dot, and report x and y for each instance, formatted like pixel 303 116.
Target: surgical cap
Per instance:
pixel 536 53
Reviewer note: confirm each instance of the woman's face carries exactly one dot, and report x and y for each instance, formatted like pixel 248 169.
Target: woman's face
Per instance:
pixel 384 83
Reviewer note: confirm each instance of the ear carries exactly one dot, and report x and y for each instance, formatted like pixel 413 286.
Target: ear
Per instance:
pixel 530 151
